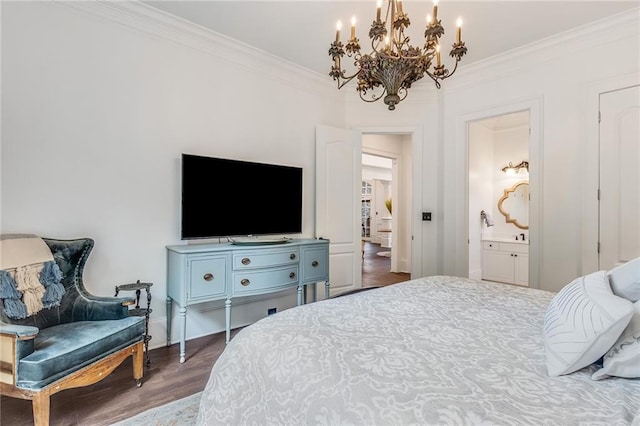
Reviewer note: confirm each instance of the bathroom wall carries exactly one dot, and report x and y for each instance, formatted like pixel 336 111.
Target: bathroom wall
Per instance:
pixel 509 145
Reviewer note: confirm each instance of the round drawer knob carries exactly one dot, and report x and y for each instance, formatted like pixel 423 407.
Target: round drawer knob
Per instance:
pixel 246 261
pixel 245 282
pixel 314 263
pixel 292 275
pixel 292 256
pixel 208 277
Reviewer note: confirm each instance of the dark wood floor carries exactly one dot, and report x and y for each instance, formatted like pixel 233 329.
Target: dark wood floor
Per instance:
pixel 117 397
pixel 375 269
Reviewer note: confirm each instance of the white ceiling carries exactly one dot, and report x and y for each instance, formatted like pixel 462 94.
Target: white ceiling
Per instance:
pixel 301 31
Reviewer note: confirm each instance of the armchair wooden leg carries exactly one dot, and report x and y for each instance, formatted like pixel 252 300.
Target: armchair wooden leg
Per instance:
pixel 138 363
pixel 41 406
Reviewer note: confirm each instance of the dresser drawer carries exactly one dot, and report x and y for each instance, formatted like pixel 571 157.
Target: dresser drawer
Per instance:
pixel 264 281
pixel 259 259
pixel 207 277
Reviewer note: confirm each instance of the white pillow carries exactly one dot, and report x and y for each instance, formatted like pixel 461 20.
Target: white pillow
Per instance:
pixel 625 280
pixel 582 323
pixel 623 359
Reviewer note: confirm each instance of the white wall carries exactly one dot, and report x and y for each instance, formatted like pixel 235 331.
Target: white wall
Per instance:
pixel 98 103
pixel 481 193
pixel 557 74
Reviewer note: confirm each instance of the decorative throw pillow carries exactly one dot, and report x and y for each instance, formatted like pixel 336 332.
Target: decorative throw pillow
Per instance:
pixel 582 323
pixel 625 280
pixel 623 359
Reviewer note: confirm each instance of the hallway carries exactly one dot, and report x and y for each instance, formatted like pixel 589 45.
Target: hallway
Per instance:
pixel 375 269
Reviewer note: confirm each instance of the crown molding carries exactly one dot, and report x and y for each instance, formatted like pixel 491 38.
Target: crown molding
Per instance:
pixel 617 27
pixel 147 19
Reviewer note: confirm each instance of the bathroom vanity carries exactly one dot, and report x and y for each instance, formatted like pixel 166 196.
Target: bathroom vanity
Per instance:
pixel 505 260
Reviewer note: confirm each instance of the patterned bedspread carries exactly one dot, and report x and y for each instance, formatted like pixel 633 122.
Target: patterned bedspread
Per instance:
pixel 430 351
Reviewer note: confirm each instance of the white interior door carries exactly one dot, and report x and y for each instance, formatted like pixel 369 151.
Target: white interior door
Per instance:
pixel 338 202
pixel 619 230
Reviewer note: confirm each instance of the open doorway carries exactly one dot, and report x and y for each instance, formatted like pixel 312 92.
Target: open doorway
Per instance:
pixel 499 199
pixel 385 203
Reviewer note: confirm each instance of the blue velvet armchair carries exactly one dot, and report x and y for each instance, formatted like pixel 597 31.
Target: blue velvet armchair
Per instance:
pixel 75 344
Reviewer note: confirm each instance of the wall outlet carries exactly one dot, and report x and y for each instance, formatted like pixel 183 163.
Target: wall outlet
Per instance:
pixel 271 311
pixel 426 216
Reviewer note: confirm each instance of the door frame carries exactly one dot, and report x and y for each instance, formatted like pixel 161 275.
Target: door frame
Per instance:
pixel 590 203
pixel 416 190
pixel 534 106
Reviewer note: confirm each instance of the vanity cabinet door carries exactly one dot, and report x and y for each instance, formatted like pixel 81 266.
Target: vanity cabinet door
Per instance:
pixel 497 266
pixel 521 273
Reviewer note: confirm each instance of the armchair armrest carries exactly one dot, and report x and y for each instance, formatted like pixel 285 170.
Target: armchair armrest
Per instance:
pixel 96 308
pixel 16 342
pixel 21 332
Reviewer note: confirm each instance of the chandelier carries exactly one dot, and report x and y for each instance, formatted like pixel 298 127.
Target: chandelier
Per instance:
pixel 393 64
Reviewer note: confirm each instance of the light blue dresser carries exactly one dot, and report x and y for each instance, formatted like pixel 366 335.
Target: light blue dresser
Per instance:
pixel 199 273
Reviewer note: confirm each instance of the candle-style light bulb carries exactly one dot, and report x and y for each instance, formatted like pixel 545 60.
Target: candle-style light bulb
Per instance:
pixel 338 28
pixel 435 10
pixel 378 10
pixel 459 30
pixel 429 19
pixel 353 27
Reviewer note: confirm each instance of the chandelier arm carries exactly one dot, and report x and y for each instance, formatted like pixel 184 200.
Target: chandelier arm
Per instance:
pixel 373 47
pixel 434 78
pixel 455 67
pixel 403 93
pixel 345 79
pixel 374 98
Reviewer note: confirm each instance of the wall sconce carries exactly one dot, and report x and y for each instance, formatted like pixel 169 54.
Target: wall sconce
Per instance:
pixel 511 170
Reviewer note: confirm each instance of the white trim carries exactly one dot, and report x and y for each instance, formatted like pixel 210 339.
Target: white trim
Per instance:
pixel 165 26
pixel 546 50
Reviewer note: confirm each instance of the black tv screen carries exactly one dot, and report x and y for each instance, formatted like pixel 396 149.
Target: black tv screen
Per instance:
pixel 231 198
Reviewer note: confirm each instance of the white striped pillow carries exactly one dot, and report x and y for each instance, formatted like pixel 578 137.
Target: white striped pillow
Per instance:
pixel 582 322
pixel 623 359
pixel 625 280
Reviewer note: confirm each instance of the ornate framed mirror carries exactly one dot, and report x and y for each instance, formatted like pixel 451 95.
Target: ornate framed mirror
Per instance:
pixel 514 205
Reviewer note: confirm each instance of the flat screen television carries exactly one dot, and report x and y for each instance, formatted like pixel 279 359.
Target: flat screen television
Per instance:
pixel 232 198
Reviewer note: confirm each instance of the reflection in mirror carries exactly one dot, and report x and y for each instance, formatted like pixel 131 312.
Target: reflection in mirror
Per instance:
pixel 514 205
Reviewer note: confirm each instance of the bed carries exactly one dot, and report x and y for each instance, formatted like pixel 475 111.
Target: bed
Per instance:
pixel 437 350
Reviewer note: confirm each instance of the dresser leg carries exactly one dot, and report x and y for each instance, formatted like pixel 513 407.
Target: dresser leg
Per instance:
pixel 169 315
pixel 183 333
pixel 326 289
pixel 227 314
pixel 300 286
